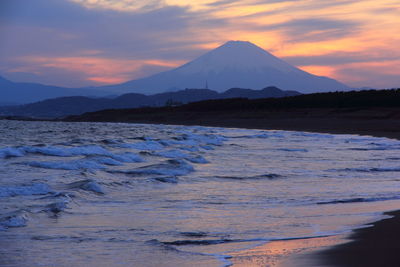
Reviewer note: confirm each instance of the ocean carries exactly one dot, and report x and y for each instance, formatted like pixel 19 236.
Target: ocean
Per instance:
pixel 118 194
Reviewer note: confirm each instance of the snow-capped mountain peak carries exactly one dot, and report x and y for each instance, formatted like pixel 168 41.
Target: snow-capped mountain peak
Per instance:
pixel 237 55
pixel 234 64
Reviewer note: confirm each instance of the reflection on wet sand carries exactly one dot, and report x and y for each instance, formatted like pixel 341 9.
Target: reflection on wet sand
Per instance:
pixel 287 253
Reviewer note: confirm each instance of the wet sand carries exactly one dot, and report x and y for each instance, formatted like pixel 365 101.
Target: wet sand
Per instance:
pixel 374 246
pixel 287 253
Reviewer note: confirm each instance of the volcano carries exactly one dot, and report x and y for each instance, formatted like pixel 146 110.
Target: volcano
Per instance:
pixel 236 64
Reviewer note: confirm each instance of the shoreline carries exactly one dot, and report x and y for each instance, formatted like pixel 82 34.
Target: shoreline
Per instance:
pixel 365 247
pixel 370 246
pixel 373 244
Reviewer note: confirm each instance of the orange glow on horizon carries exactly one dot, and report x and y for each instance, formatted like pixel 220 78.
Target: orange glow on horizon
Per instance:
pixel 100 70
pixel 319 70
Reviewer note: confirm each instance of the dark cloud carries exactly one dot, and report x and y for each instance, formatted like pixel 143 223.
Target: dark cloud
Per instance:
pixel 340 58
pixel 117 34
pixel 314 29
pixel 223 3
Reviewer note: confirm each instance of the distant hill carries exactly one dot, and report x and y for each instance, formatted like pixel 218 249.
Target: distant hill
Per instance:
pixel 22 93
pixel 74 105
pixel 234 64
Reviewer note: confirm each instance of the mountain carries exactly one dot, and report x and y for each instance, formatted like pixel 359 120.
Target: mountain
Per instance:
pixel 63 106
pixel 234 64
pixel 21 93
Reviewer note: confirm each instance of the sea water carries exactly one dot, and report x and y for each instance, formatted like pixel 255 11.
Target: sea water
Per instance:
pixel 102 194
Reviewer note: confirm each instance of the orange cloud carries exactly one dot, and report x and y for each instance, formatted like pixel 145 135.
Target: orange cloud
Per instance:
pixel 319 70
pixel 99 70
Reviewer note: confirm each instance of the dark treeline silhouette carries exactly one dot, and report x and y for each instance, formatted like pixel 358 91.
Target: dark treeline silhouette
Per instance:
pixel 353 99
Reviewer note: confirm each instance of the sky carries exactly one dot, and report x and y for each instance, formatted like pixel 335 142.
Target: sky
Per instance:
pixel 77 43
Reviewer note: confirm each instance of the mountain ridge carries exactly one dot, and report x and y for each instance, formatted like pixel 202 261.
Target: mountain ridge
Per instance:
pixel 75 105
pixel 23 92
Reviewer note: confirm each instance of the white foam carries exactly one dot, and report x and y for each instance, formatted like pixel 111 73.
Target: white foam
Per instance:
pixel 187 143
pixel 66 165
pixel 207 139
pixel 9 152
pixel 145 145
pixel 68 151
pixel 176 154
pixel 309 134
pixel 17 219
pixel 25 190
pixel 171 168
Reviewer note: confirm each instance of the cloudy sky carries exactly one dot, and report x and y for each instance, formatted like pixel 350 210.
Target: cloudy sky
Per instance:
pixel 96 42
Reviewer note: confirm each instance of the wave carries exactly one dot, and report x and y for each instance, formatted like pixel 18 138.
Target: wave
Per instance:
pixel 261 136
pixel 387 169
pixel 201 242
pixel 145 145
pixel 56 207
pixel 293 149
pixel 256 177
pixel 173 167
pixel 358 199
pixel 89 150
pixel 376 148
pixel 9 152
pixel 176 154
pixel 170 180
pixel 67 165
pixel 25 190
pixel 15 219
pixel 308 134
pixel 194 234
pixel 127 157
pixel 87 185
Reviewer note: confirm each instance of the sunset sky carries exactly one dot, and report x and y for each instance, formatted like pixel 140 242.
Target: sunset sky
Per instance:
pixel 78 43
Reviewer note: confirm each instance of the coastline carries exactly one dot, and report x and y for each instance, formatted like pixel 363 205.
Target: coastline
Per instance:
pixel 375 244
pixel 371 246
pixel 363 247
